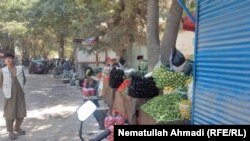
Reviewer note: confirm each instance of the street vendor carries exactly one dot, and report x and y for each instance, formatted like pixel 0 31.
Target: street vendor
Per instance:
pixel 89 83
pixel 114 63
pixel 12 81
pixel 143 65
pixel 121 62
pixel 118 62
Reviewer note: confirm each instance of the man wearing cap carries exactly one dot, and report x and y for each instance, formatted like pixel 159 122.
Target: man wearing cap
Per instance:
pixel 12 81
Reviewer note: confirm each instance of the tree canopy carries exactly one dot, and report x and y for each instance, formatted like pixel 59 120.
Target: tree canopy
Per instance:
pixel 38 27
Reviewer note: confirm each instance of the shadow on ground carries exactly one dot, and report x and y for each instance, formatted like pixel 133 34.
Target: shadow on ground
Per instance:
pixel 51 112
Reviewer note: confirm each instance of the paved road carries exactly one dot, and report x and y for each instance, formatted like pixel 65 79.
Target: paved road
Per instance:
pixel 51 109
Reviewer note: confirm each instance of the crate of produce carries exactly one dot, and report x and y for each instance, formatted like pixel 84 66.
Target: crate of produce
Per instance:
pixel 118 106
pixel 116 77
pixel 108 94
pixel 166 78
pixel 167 112
pixel 146 119
pixel 142 87
pixel 185 109
pixel 131 107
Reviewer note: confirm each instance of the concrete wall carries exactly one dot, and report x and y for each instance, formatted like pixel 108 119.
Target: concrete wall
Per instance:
pixel 84 59
pixel 185 42
pixel 83 56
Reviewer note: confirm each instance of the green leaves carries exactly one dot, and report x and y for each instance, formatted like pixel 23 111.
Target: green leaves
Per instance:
pixel 37 21
pixel 14 28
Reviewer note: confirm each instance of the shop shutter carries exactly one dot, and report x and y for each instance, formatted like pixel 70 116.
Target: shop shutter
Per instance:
pixel 222 62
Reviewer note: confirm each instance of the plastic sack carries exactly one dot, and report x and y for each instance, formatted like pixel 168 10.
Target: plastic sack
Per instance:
pixel 106 70
pixel 128 72
pixel 170 65
pixel 148 74
pixel 168 90
pixel 109 121
pixel 185 109
pixel 122 61
pixel 86 92
pixel 188 68
pixel 92 91
pixel 159 63
pixel 190 90
pixel 100 88
pixel 119 120
pixel 177 58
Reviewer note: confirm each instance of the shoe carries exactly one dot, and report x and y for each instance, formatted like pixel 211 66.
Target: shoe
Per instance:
pixel 12 136
pixel 20 132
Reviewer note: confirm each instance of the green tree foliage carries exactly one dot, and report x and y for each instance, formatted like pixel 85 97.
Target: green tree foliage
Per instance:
pixel 37 27
pixel 12 23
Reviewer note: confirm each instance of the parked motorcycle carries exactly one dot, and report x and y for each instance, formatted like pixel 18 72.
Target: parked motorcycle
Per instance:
pixel 83 113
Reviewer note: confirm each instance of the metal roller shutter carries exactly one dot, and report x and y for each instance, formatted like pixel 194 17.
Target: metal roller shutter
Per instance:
pixel 222 62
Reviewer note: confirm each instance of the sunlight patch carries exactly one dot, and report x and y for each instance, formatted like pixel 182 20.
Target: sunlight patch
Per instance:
pixel 38 92
pixel 56 110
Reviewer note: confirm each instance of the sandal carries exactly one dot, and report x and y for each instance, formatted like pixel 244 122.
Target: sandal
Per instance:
pixel 20 132
pixel 12 136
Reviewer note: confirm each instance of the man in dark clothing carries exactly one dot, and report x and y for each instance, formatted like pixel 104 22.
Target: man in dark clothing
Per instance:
pixel 66 68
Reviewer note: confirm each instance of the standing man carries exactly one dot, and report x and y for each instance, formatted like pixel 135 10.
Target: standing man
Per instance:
pixel 143 65
pixel 12 81
pixel 66 68
pixel 120 62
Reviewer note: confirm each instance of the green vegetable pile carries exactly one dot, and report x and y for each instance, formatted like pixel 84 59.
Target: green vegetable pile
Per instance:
pixel 166 78
pixel 164 108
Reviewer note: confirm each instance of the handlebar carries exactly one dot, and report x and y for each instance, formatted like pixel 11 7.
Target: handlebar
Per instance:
pixel 103 135
pixel 80 132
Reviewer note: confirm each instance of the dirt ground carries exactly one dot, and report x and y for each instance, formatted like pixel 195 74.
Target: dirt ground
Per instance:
pixel 51 109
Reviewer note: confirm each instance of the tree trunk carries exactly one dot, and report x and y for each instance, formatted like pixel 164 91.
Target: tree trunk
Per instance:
pixel 33 46
pixel 11 48
pixel 153 33
pixel 119 52
pixel 34 51
pixel 171 31
pixel 129 57
pixel 61 47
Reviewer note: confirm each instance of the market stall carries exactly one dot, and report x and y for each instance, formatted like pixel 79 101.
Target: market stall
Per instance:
pixel 174 107
pixel 130 96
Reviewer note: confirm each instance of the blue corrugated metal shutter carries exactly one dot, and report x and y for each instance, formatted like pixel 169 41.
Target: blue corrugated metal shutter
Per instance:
pixel 222 62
